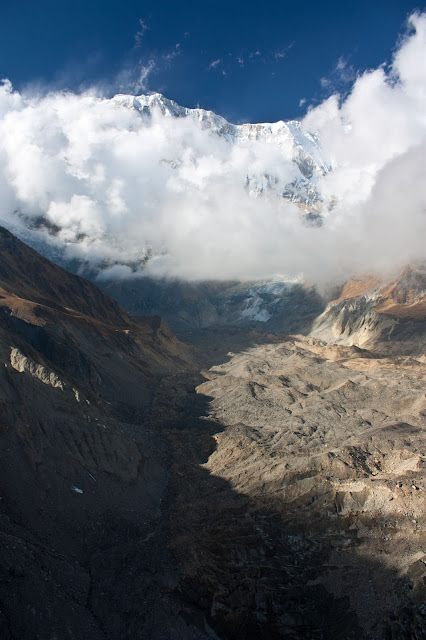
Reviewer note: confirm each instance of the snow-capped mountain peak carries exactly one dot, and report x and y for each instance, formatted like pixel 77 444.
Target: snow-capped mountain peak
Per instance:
pixel 302 149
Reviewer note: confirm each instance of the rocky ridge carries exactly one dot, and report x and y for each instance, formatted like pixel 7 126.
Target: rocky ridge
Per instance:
pixel 373 312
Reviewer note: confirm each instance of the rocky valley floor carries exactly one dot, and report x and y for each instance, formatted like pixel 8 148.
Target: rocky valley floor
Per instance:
pixel 245 486
pixel 312 515
pixel 279 493
pixel 293 505
pixel 297 502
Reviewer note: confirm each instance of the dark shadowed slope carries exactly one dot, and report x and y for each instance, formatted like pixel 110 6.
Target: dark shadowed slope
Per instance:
pixel 82 469
pixel 39 292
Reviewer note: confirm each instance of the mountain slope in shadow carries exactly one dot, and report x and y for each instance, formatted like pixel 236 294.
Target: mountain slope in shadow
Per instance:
pixel 81 467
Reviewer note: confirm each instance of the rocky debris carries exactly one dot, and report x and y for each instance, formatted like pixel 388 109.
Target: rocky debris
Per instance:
pixel 322 449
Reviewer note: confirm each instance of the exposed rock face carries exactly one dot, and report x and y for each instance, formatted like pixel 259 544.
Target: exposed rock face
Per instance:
pixel 21 363
pixel 369 312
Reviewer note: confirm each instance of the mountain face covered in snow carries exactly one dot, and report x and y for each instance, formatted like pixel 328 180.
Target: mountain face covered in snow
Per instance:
pixel 300 148
pixel 278 303
pixel 124 180
pixel 138 185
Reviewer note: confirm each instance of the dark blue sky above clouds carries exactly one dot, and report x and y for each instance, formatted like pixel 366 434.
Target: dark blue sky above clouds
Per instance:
pixel 248 61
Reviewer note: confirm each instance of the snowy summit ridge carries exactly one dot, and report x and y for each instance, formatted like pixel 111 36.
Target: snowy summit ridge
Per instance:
pixel 301 148
pixel 134 185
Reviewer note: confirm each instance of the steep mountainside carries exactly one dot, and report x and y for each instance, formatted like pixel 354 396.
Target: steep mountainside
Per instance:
pixel 387 314
pixel 276 305
pixel 42 293
pixel 81 467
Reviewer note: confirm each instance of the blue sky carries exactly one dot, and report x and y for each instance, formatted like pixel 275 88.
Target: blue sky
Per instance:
pixel 248 61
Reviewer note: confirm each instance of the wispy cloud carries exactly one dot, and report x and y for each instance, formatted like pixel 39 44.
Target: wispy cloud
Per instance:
pixel 138 68
pixel 215 63
pixel 282 53
pixel 133 73
pixel 171 55
pixel 133 79
pixel 345 71
pixel 233 61
pixel 140 33
pixel 341 64
pixel 340 78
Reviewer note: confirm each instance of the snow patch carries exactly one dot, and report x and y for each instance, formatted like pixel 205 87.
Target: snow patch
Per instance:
pixel 253 310
pixel 77 490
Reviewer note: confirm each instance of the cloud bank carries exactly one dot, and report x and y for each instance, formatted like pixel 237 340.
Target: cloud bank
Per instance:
pixel 121 190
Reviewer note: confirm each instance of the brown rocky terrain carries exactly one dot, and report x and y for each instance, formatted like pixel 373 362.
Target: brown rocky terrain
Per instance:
pixel 82 471
pixel 327 445
pixel 253 485
pixel 389 315
pixel 312 508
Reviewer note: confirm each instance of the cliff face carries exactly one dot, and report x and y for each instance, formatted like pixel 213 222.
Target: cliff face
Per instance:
pixel 372 313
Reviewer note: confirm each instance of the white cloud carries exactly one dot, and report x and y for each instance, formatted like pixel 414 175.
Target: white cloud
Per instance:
pixel 282 53
pixel 139 35
pixel 116 183
pixel 341 77
pixel 214 63
pixel 375 140
pixel 134 78
pixel 341 64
